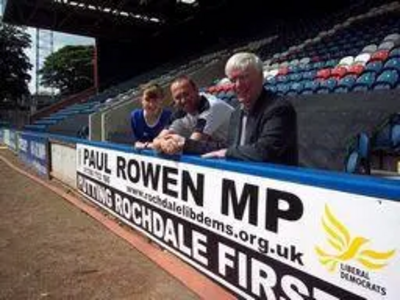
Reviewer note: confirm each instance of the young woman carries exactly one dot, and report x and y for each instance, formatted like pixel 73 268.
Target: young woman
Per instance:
pixel 149 121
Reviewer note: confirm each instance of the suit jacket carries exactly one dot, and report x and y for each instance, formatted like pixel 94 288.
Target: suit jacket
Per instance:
pixel 271 133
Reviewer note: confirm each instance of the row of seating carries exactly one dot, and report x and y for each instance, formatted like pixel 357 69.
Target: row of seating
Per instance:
pixel 388 79
pixel 42 124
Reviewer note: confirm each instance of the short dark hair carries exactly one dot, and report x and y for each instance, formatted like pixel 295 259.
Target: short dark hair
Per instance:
pixel 184 78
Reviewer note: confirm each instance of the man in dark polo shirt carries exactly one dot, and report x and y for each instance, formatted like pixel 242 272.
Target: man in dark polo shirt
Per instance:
pixel 263 128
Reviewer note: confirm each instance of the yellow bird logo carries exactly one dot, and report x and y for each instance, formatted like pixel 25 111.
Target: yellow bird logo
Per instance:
pixel 348 248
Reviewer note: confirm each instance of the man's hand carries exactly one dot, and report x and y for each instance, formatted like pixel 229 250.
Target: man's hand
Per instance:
pixel 171 144
pixel 215 154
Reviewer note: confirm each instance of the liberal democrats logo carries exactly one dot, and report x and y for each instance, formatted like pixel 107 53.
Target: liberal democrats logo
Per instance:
pixel 346 248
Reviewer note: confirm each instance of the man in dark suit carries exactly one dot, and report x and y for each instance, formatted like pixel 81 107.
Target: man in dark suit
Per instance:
pixel 263 128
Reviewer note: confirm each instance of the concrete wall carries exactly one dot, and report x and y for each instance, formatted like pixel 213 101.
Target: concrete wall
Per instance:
pixel 63 162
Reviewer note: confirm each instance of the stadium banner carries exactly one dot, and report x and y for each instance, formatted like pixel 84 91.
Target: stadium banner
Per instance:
pixel 259 237
pixel 33 151
pixel 10 139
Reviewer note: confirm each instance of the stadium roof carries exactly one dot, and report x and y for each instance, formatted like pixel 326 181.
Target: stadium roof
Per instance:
pixel 117 19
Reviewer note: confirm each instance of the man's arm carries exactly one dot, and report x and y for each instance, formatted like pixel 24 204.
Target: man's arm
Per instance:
pixel 278 132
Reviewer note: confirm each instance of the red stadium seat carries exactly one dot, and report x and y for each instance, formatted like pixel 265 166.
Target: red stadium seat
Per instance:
pixel 324 74
pixel 283 71
pixel 356 69
pixel 339 72
pixel 380 55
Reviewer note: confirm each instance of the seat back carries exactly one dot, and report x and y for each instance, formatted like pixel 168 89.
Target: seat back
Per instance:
pixel 359 155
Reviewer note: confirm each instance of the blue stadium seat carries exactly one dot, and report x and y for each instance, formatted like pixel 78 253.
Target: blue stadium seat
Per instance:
pixel 282 88
pixel 327 86
pixel 310 75
pixel 396 137
pixel 387 136
pixel 387 80
pixel 272 80
pixel 272 88
pixel 295 69
pixel 359 155
pixel 374 67
pixel 310 87
pixel 346 84
pixel 307 67
pixel 331 63
pixel 282 78
pixel 318 65
pixel 295 77
pixel 392 64
pixel 364 82
pixel 394 53
pixel 295 88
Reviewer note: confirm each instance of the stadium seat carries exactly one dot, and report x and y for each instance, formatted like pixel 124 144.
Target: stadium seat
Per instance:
pixel 374 67
pixel 295 77
pixel 271 81
pixel 380 55
pixel 387 135
pixel 392 64
pixel 294 62
pixel 387 80
pixel 295 88
pixel 323 74
pixel 310 87
pixel 327 86
pixel 345 84
pixel 370 49
pixel 395 37
pixel 284 66
pixel 358 155
pixel 273 72
pixel 310 75
pixel 388 45
pixel 394 53
pixel 330 63
pixel 317 65
pixel 364 82
pixel 282 88
pixel 339 72
pixel 272 88
pixel 304 61
pixel 356 69
pixel 282 78
pixel 283 71
pixel 346 61
pixel 362 59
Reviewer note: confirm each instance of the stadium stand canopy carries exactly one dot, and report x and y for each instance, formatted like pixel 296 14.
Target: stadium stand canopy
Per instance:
pixel 117 19
pixel 124 19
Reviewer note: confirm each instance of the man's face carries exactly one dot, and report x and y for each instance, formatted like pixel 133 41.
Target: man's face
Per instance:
pixel 185 96
pixel 248 84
